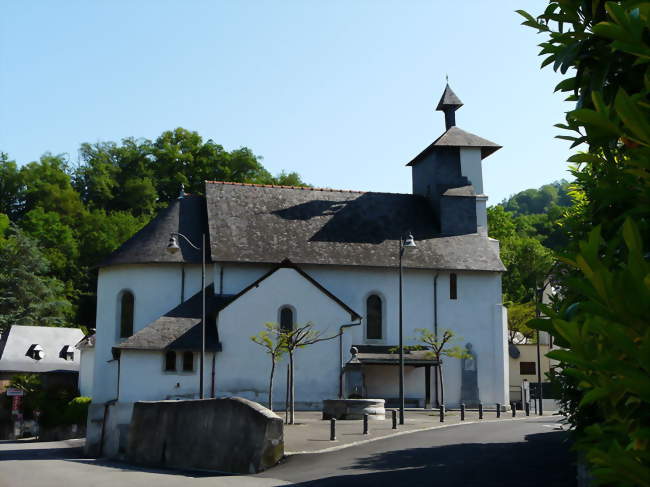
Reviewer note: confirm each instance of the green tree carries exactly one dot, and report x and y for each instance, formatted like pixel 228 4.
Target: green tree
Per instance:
pixel 440 346
pixel 602 317
pixel 28 296
pixel 272 340
pixel 48 185
pixel 12 189
pixel 301 336
pixel 519 314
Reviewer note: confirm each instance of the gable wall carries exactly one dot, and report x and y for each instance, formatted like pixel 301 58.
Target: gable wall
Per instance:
pixel 477 316
pixel 157 289
pixel 243 367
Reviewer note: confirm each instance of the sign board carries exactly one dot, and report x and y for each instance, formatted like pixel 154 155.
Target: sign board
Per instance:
pixel 15 404
pixel 14 392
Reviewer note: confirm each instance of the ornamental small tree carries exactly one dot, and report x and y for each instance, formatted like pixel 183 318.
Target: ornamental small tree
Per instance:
pixel 441 347
pixel 299 337
pixel 272 340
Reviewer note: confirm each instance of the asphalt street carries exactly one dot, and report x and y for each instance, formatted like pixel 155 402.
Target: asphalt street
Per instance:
pixel 530 452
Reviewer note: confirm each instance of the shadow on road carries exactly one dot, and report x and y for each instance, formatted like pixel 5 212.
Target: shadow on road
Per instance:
pixel 543 459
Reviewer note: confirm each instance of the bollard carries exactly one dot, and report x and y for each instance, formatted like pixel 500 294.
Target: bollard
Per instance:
pixel 480 410
pixel 365 424
pixel 514 409
pixel 535 402
pixel 462 411
pixel 442 413
pixel 498 410
pixel 394 419
pixel 332 429
pixel 527 409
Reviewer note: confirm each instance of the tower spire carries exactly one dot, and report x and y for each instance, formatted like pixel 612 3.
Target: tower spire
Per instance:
pixel 448 104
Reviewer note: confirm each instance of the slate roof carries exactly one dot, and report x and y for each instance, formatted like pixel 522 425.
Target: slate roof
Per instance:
pixel 180 328
pixel 87 342
pixel 267 224
pixel 449 100
pixel 457 137
pixel 17 341
pixel 185 215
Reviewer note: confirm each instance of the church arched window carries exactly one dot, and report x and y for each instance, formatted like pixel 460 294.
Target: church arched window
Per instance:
pixel 127 302
pixel 286 319
pixel 374 325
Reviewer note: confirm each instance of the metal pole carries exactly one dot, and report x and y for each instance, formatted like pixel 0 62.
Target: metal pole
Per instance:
pixel 201 394
pixel 365 424
pixel 332 429
pixel 394 414
pixel 442 413
pixel 498 410
pixel 401 339
pixel 539 361
pixel 462 411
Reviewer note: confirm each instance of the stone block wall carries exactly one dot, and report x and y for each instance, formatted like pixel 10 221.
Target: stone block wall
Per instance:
pixel 230 435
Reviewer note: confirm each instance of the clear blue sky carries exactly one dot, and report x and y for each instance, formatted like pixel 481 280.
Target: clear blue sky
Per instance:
pixel 343 92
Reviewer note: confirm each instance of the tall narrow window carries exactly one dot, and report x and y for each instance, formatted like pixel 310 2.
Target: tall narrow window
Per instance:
pixel 126 314
pixel 373 318
pixel 286 319
pixel 453 286
pixel 188 361
pixel 170 361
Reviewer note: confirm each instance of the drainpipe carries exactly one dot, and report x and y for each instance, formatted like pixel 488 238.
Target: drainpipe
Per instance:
pixel 348 325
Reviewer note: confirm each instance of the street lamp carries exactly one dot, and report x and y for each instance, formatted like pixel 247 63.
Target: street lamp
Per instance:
pixel 404 243
pixel 173 248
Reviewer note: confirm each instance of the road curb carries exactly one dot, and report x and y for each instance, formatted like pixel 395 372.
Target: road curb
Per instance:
pixel 402 433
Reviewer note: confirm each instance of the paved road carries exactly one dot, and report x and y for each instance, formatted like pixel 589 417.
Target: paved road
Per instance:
pixel 527 452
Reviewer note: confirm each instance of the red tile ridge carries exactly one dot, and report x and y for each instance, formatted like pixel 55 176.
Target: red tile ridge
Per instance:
pixel 278 186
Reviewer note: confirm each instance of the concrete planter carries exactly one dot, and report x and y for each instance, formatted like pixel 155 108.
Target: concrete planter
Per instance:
pixel 354 409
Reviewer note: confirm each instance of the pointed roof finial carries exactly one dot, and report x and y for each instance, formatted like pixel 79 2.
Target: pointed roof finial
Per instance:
pixel 182 192
pixel 449 100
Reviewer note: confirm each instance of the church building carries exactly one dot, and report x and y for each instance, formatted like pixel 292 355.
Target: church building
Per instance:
pixel 293 255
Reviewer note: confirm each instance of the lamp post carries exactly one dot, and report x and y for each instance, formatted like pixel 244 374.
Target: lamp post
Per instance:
pixel 404 243
pixel 173 248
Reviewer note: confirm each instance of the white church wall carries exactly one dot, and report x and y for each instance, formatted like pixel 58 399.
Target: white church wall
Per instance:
pixel 86 371
pixel 232 278
pixel 143 378
pixel 243 367
pixel 470 167
pixel 156 289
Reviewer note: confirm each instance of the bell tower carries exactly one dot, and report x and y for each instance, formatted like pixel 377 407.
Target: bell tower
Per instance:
pixel 449 172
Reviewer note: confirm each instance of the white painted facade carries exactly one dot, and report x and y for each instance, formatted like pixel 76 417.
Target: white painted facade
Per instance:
pixel 86 371
pixel 242 367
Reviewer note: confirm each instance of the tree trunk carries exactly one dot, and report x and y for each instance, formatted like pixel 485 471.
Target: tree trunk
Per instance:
pixel 286 399
pixel 291 391
pixel 271 384
pixel 442 386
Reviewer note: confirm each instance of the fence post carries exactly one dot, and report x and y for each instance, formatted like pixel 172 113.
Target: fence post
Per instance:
pixel 527 408
pixel 498 410
pixel 514 409
pixel 462 411
pixel 365 424
pixel 394 412
pixel 332 429
pixel 480 410
pixel 442 413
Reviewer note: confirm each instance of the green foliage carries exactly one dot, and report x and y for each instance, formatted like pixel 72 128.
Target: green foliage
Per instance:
pixel 527 261
pixel 28 296
pixel 441 346
pixel 519 314
pixel 78 216
pixel 602 319
pixel 76 410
